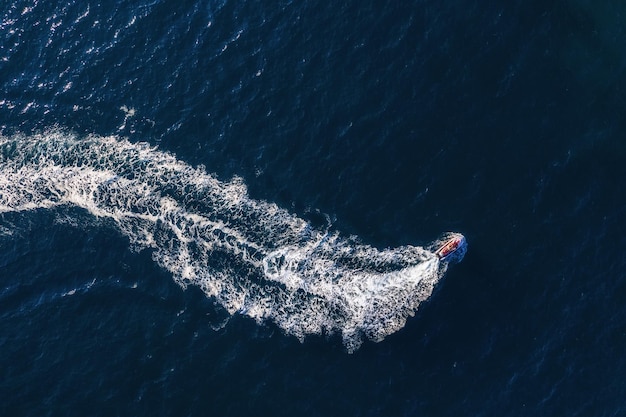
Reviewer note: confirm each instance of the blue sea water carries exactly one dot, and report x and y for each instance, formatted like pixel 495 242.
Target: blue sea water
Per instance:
pixel 226 208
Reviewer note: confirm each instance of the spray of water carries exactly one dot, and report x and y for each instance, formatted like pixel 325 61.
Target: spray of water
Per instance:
pixel 251 256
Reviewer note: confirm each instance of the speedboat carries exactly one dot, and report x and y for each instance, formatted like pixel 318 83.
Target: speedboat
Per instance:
pixel 452 248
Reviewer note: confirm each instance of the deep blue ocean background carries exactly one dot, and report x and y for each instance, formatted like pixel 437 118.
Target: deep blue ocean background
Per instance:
pixel 393 121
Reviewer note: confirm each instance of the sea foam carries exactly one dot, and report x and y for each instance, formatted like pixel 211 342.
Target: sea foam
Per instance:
pixel 251 256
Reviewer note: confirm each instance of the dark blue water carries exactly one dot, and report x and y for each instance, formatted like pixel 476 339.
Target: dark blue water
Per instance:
pixel 304 153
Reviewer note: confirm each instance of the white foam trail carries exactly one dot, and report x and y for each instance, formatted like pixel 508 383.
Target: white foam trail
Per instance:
pixel 251 256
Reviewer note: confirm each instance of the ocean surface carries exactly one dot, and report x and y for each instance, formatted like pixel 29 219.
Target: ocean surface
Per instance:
pixel 231 208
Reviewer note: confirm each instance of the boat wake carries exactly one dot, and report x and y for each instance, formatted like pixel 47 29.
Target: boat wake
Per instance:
pixel 251 256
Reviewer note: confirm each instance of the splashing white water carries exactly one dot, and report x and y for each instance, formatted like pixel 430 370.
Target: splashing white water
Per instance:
pixel 251 256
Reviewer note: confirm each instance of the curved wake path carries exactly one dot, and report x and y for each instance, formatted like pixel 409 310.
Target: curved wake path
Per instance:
pixel 251 256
